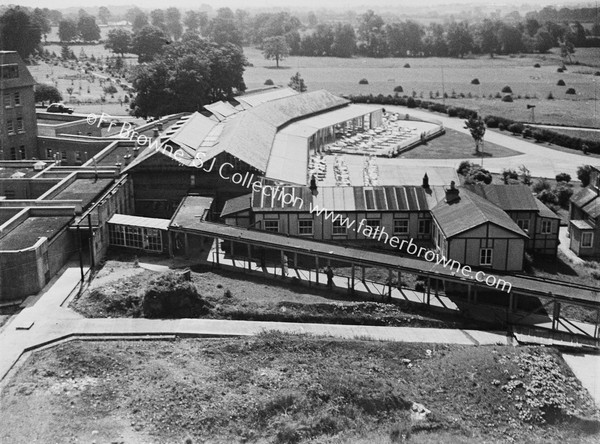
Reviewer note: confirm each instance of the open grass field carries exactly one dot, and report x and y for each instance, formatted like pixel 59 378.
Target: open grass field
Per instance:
pixel 341 76
pixel 291 389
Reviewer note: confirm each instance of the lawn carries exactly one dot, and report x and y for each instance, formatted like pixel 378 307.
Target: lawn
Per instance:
pixel 294 389
pixel 456 145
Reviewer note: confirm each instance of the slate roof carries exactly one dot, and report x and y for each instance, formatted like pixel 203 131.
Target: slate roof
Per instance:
pixel 24 79
pixel 544 211
pixel 469 212
pixel 507 197
pixel 583 197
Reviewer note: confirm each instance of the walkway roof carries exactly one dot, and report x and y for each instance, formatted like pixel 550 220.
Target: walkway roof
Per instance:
pixel 137 221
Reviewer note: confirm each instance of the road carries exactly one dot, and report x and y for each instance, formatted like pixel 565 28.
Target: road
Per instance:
pixel 541 161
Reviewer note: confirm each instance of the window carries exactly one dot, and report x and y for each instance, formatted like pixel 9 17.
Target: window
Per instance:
pixel 546 226
pixel 20 127
pixel 9 71
pixel 148 239
pixel 485 256
pixel 373 223
pixel 13 153
pixel 400 226
pixel 49 154
pixel 424 226
pixel 523 224
pixel 305 227
pixel 63 155
pixel 192 180
pixel 78 155
pixel 587 239
pixel 7 102
pixel 17 99
pixel 339 228
pixel 10 129
pixel 271 225
pixel 22 152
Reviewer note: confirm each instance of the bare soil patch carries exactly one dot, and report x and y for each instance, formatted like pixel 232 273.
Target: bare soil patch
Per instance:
pixel 278 388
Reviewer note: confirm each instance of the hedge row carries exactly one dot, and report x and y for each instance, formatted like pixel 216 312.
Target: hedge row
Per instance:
pixel 411 102
pixel 539 134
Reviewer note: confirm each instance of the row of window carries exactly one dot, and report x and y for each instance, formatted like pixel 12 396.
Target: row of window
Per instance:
pixel 546 225
pixel 306 227
pixel 11 100
pixel 13 153
pixel 10 126
pixel 147 239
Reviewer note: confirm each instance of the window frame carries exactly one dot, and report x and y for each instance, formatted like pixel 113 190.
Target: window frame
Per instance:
pixel 546 227
pixel 426 222
pixel 307 223
pixel 17 99
pixel 488 255
pixel 338 228
pixel 522 222
pixel 589 234
pixel 272 229
pixel 405 222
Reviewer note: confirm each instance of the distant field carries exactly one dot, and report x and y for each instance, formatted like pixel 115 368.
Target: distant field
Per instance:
pixel 341 76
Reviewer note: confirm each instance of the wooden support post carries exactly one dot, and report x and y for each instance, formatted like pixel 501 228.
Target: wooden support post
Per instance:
pixel 231 253
pixel 81 252
pixel 597 325
pixel 92 258
pixel 556 315
pixel 352 275
pixel 437 287
pixel 363 273
pixel 249 257
pixel 317 267
pixel 187 246
pixel 295 260
pixel 217 249
pixel 399 279
pixel 428 290
pixel 390 279
pixel 469 293
pixel 475 295
pixel 511 301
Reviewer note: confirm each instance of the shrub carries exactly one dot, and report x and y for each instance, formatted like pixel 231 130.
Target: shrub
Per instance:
pixel 584 174
pixel 363 82
pixel 516 128
pixel 498 95
pixel 560 70
pixel 398 89
pixel 527 132
pixel 570 91
pixel 501 126
pixel 563 177
pixel 228 294
pixel 563 194
pixel 269 82
pixel 171 295
pixel 464 167
pixel 507 89
pixel 475 81
pixel 547 197
pixel 537 65
pixel 411 103
pixel 597 73
pixel 491 122
pixel 507 98
pixel 561 82
pixel 407 65
pixel 478 175
pixel 540 185
pixel 110 89
pixel 508 174
pixel 452 111
pixel 550 96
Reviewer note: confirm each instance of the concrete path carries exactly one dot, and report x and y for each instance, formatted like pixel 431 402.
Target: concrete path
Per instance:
pixel 587 370
pixel 541 161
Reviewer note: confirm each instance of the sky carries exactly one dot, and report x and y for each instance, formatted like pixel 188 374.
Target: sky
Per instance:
pixel 295 4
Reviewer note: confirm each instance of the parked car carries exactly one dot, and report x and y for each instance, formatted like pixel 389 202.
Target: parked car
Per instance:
pixel 59 108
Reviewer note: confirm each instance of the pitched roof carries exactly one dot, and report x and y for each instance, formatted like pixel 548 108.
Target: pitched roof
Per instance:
pixel 237 205
pixel 345 199
pixel 507 197
pixel 583 197
pixel 24 78
pixel 544 211
pixel 469 212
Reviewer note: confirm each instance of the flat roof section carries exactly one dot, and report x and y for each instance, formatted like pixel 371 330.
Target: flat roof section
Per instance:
pixel 191 211
pixel 28 232
pixel 85 190
pixel 138 221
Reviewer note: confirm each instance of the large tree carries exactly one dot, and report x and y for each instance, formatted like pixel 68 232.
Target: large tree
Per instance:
pixel 67 30
pixel 188 75
pixel 223 28
pixel 19 32
pixel 460 40
pixel 118 41
pixel 173 22
pixel 104 14
pixel 158 18
pixel 88 28
pixel 192 21
pixel 276 48
pixel 148 42
pixel 46 93
pixel 344 41
pixel 41 19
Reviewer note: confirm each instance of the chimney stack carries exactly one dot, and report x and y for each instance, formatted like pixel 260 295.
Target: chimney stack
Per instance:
pixel 425 181
pixel 452 193
pixel 313 185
